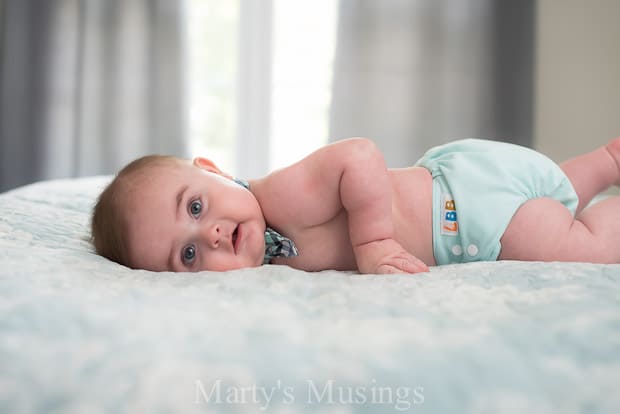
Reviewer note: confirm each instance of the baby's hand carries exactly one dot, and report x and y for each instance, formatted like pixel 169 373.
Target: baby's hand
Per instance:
pixel 387 256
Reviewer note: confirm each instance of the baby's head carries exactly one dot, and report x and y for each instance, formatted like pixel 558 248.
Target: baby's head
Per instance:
pixel 163 213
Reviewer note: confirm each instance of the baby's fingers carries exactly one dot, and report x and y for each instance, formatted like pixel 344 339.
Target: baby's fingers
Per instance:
pixel 403 263
pixel 388 270
pixel 411 264
pixel 416 265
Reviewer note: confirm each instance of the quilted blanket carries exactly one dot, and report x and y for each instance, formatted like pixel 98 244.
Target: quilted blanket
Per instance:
pixel 80 334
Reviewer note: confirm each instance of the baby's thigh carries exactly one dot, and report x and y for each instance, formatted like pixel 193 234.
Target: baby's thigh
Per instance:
pixel 538 231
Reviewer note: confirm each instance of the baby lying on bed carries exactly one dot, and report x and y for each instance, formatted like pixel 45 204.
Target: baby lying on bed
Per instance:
pixel 340 208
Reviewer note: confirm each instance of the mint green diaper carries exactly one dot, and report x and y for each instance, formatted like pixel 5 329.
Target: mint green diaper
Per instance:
pixel 478 186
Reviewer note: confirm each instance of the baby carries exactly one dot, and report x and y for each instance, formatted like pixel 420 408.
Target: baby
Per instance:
pixel 340 208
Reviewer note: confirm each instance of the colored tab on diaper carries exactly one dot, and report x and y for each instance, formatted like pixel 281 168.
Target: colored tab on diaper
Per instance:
pixel 449 222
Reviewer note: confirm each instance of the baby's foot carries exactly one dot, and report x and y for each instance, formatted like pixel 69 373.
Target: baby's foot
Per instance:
pixel 614 150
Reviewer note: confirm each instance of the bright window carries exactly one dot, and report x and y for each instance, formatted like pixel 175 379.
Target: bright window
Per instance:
pixel 212 27
pixel 302 49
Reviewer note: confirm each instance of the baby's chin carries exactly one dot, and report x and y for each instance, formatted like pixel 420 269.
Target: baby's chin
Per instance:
pixel 259 259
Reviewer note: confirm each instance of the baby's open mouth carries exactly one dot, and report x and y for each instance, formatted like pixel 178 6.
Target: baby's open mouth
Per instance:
pixel 235 235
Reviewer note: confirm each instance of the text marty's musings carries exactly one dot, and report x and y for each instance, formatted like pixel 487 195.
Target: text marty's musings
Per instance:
pixel 309 392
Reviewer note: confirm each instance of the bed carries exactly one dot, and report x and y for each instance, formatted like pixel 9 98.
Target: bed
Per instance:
pixel 79 333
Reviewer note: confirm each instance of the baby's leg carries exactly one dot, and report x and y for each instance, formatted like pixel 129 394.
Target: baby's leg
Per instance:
pixel 543 229
pixel 594 172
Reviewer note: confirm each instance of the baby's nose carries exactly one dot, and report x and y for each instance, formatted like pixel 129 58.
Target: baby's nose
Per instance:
pixel 214 235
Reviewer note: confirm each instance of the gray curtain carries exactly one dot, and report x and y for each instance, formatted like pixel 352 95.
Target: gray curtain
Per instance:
pixel 411 74
pixel 88 85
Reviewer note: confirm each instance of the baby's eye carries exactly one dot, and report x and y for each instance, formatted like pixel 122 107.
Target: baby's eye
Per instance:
pixel 195 208
pixel 188 254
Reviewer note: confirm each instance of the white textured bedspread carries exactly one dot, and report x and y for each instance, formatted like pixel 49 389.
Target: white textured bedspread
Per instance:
pixel 81 334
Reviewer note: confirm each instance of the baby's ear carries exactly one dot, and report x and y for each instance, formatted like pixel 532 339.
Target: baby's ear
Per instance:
pixel 207 164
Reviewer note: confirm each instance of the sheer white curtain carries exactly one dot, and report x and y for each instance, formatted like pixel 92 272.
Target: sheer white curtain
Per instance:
pixel 415 73
pixel 254 100
pixel 88 85
pixel 284 76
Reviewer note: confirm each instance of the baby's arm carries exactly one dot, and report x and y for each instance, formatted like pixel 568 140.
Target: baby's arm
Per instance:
pixel 349 174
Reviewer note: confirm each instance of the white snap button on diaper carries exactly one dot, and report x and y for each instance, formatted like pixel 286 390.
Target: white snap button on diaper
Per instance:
pixel 457 250
pixel 472 250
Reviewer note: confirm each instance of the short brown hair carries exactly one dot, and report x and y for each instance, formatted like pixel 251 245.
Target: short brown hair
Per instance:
pixel 109 220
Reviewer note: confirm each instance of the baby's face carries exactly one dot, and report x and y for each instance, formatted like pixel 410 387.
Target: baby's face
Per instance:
pixel 184 218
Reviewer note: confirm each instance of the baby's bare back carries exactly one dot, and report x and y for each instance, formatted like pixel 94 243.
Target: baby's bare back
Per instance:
pixel 412 197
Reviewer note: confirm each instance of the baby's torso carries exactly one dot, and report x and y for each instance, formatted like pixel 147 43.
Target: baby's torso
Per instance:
pixel 327 246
